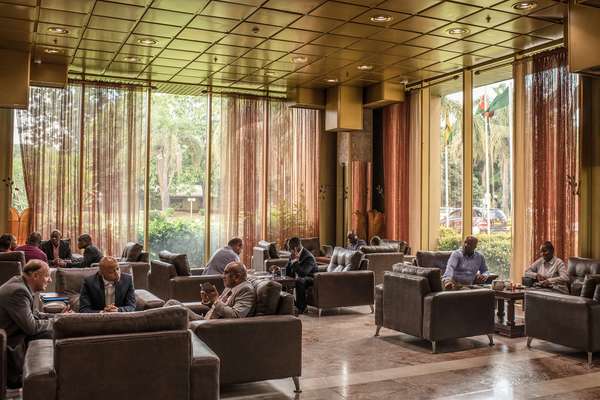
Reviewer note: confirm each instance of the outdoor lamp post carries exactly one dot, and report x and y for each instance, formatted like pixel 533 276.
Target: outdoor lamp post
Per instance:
pixel 191 200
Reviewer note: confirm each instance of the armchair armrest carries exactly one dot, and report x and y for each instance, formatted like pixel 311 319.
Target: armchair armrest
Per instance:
pixel 39 377
pixel 159 277
pixel 564 319
pixel 187 288
pixel 327 250
pixel 343 289
pixel 197 271
pixel 257 356
pixel 204 371
pixel 145 300
pixel 456 314
pixel 140 271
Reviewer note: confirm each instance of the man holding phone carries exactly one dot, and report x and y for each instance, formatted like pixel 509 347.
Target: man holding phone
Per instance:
pixel 302 266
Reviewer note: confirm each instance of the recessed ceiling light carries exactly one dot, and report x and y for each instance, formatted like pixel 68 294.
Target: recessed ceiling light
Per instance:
pixel 458 31
pixel 331 80
pixel 51 51
pixel 269 73
pixel 524 5
pixel 365 67
pixel 58 30
pixel 147 41
pixel 131 59
pixel 299 59
pixel 381 18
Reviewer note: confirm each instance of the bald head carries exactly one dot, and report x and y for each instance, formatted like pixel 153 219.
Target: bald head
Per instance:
pixel 55 237
pixel 109 269
pixel 37 275
pixel 469 245
pixel 235 273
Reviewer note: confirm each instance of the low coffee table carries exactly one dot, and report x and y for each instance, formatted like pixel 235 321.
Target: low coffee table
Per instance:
pixel 287 283
pixel 508 327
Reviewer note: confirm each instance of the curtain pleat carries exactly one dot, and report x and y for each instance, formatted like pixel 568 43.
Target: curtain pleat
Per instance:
pixel 414 170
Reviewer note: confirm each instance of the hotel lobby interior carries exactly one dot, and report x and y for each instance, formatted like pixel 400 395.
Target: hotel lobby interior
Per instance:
pixel 299 199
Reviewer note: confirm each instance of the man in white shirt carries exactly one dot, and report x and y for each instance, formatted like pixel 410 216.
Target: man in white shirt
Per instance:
pixel 549 271
pixel 108 290
pixel 223 256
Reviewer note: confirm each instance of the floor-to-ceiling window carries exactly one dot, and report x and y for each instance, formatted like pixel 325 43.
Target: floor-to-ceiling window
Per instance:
pixel 177 183
pixel 492 166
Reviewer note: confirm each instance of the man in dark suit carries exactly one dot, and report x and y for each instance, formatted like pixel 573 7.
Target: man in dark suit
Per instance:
pixel 91 254
pixel 302 266
pixel 57 250
pixel 108 290
pixel 19 320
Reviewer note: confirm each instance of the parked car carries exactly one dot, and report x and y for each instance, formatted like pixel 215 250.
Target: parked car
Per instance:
pixel 496 217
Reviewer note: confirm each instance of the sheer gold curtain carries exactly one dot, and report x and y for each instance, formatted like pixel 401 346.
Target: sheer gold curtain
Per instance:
pixel 49 133
pixel 293 172
pixel 414 171
pixel 114 161
pixel 237 170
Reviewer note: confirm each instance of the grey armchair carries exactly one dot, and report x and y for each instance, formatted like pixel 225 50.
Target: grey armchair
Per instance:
pixel 146 355
pixel 411 301
pixel 166 284
pixel 382 258
pixel 11 264
pixel 265 256
pixel 322 253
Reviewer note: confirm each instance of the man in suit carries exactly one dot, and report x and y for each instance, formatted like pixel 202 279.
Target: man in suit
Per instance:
pixel 57 250
pixel 108 290
pixel 91 254
pixel 32 248
pixel 19 320
pixel 302 266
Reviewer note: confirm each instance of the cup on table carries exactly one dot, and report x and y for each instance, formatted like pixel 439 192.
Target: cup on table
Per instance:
pixel 498 284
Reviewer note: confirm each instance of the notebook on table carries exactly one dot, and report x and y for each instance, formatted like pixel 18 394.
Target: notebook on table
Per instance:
pixel 53 296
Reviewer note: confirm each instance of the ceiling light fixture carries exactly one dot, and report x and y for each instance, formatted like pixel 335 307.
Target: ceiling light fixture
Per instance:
pixel 299 59
pixel 381 18
pixel 51 51
pixel 58 30
pixel 524 5
pixel 364 67
pixel 331 80
pixel 147 41
pixel 131 59
pixel 458 31
pixel 269 73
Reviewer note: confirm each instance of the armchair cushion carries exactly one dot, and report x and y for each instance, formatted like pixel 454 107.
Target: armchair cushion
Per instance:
pixel 590 283
pixel 433 275
pixel 433 259
pixel 345 260
pixel 158 319
pixel 313 245
pixel 132 252
pixel 382 248
pixel 179 261
pixel 268 294
pixel 577 269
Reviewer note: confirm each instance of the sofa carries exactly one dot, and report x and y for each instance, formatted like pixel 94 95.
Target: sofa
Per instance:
pixel 322 253
pixel 11 264
pixel 70 281
pixel 569 320
pixel 347 282
pixel 265 256
pixel 171 278
pixel 267 345
pixel 411 300
pixel 381 258
pixel 141 355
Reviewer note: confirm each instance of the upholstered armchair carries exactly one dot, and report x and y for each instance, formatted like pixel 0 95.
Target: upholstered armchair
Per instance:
pixel 170 278
pixel 139 260
pixel 347 282
pixel 251 349
pixel 569 320
pixel 265 256
pixel 382 258
pixel 11 264
pixel 411 300
pixel 322 253
pixel 148 355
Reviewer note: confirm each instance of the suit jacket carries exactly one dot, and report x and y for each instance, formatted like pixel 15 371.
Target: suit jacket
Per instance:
pixel 91 299
pixel 64 250
pixel 17 316
pixel 240 302
pixel 304 266
pixel 91 255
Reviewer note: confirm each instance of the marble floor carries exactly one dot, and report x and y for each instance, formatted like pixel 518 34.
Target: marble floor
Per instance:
pixel 343 360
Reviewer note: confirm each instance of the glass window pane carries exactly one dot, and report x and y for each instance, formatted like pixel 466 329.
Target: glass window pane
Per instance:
pixel 177 175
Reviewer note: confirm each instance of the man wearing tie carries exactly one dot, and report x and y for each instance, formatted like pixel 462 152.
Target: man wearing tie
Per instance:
pixel 108 290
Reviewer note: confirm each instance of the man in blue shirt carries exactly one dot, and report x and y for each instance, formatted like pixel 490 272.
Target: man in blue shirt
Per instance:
pixel 465 266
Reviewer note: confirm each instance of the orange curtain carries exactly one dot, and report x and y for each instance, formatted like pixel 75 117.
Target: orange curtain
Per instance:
pixel 48 133
pixel 554 107
pixel 293 172
pixel 396 162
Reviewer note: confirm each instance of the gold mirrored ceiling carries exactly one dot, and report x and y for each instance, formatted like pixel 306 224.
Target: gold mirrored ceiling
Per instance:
pixel 270 45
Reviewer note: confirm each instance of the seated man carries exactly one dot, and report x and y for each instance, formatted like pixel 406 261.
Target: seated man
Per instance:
pixel 91 254
pixel 108 290
pixel 223 256
pixel 18 318
pixel 6 243
pixel 302 266
pixel 237 300
pixel 354 242
pixel 57 250
pixel 465 266
pixel 32 248
pixel 549 271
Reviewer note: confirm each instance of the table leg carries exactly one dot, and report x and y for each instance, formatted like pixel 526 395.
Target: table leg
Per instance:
pixel 500 310
pixel 510 313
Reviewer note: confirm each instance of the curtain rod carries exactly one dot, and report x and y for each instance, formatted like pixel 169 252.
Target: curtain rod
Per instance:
pixel 109 84
pixel 492 63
